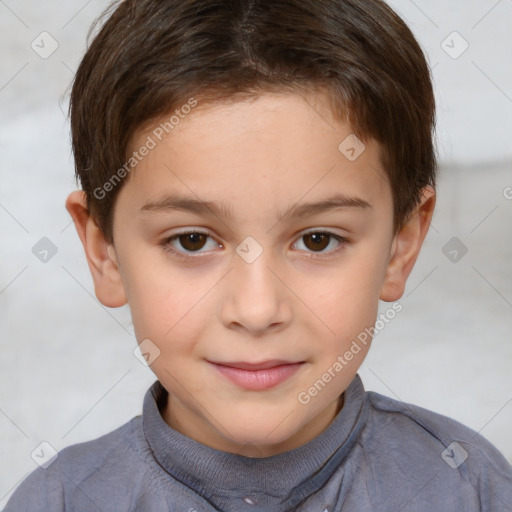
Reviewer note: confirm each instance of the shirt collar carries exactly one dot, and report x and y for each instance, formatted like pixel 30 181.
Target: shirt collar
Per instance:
pixel 214 473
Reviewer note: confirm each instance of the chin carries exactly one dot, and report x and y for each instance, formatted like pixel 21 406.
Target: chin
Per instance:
pixel 261 439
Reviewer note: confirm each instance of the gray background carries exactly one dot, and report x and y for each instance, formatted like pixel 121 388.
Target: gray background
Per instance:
pixel 67 369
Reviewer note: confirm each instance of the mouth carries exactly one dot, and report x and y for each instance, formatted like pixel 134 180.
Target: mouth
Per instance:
pixel 257 376
pixel 264 365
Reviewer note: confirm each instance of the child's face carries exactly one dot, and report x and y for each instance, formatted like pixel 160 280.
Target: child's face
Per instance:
pixel 304 299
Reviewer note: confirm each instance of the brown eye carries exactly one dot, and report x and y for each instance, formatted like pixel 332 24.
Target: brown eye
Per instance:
pixel 190 244
pixel 316 241
pixel 193 241
pixel 320 243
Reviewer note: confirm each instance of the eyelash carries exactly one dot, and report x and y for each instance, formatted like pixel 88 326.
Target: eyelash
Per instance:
pixel 166 243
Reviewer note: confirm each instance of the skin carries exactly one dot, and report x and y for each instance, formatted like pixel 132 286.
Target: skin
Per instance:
pixel 303 299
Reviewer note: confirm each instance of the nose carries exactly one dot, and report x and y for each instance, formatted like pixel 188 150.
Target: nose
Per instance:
pixel 256 298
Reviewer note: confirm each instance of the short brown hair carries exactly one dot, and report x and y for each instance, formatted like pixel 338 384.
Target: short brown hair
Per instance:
pixel 152 56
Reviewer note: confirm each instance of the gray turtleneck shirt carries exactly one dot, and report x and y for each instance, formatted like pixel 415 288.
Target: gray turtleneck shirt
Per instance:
pixel 377 454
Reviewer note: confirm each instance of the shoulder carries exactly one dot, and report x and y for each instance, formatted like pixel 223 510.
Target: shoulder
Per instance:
pixel 82 459
pixel 439 430
pixel 81 466
pixel 422 442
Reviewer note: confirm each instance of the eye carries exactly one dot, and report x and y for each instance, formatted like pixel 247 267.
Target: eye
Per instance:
pixel 193 242
pixel 318 241
pixel 190 242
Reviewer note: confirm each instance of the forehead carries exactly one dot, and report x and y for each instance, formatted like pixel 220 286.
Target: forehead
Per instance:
pixel 276 147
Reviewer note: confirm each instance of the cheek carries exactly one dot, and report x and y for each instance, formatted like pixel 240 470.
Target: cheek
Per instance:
pixel 153 297
pixel 348 303
pixel 168 305
pixel 346 313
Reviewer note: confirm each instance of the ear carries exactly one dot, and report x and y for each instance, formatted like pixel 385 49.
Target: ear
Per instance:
pixel 406 247
pixel 101 255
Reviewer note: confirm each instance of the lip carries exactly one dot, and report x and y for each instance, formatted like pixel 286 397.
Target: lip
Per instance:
pixel 262 376
pixel 263 365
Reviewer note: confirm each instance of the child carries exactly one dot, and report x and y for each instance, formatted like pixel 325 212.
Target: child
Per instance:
pixel 256 176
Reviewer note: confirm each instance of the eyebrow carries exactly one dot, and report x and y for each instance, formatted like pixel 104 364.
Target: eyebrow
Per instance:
pixel 187 204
